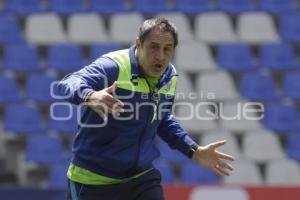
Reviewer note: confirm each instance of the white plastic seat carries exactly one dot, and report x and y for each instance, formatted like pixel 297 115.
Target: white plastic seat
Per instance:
pixel 262 147
pixel 194 57
pixel 184 87
pixel 44 29
pixel 214 28
pixel 217 193
pixel 123 32
pixel 231 147
pixel 217 86
pixel 244 173
pixel 235 116
pixel 182 24
pixel 256 28
pixel 86 29
pixel 192 122
pixel 283 172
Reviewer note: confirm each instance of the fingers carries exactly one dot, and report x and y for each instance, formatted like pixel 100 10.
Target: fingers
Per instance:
pixel 218 144
pixel 225 156
pixel 222 168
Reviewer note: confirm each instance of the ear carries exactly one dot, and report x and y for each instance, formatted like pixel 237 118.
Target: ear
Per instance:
pixel 138 43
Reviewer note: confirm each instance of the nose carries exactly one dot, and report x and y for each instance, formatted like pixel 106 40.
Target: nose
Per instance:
pixel 160 55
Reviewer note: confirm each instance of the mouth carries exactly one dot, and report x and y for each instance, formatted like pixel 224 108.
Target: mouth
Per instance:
pixel 158 67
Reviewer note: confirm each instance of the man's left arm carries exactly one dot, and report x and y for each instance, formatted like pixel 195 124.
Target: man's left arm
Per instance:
pixel 177 138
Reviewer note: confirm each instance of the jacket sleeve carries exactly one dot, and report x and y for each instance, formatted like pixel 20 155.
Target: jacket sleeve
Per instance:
pixel 174 135
pixel 76 86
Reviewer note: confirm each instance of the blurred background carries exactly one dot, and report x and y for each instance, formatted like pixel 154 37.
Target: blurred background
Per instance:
pixel 239 51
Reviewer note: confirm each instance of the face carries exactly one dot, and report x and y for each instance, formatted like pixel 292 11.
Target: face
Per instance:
pixel 155 53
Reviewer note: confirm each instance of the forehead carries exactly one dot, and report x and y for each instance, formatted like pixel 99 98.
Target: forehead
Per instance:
pixel 161 37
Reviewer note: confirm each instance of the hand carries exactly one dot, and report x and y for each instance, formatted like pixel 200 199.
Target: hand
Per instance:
pixel 214 160
pixel 103 102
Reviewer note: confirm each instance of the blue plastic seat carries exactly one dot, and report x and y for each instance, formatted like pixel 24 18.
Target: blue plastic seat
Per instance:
pixel 108 6
pixel 165 170
pixel 65 57
pixel 280 117
pixel 276 6
pixel 38 87
pixel 235 56
pixel 258 87
pixel 65 7
pixel 22 119
pixel 24 7
pixel 63 118
pixel 9 90
pixel 58 175
pixel 293 144
pixel 21 58
pixel 151 6
pixel 44 149
pixel 10 30
pixel 192 173
pixel 278 56
pixel 235 6
pixel 97 50
pixel 291 85
pixel 289 27
pixel 168 154
pixel 191 7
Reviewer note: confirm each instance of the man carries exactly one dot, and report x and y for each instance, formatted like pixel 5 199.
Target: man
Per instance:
pixel 127 97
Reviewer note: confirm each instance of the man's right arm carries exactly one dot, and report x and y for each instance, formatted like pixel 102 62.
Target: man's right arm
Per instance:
pixel 76 86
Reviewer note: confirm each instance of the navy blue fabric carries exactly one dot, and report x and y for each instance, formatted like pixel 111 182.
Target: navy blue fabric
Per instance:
pixel 145 187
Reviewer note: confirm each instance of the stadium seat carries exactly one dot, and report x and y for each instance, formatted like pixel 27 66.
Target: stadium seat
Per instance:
pixel 262 148
pixel 22 119
pixel 97 50
pixel 191 7
pixel 235 57
pixel 258 87
pixel 37 88
pixel 44 29
pixel 231 147
pixel 86 29
pixel 10 30
pixel 170 155
pixel 208 27
pixel 291 85
pixel 237 117
pixel 283 173
pixel 21 58
pixel 24 7
pixel 256 28
pixel 108 6
pixel 245 173
pixel 289 27
pixel 192 122
pixel 63 118
pixel 293 144
pixel 218 86
pixel 165 170
pixel 280 117
pixel 65 57
pixel 57 175
pixel 122 32
pixel 192 173
pixel 235 6
pixel 276 6
pixel 184 87
pixel 151 6
pixel 63 7
pixel 189 52
pixel 9 90
pixel 44 149
pixel 182 24
pixel 278 56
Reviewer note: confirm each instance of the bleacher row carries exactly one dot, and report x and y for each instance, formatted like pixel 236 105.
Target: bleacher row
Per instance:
pixel 237 50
